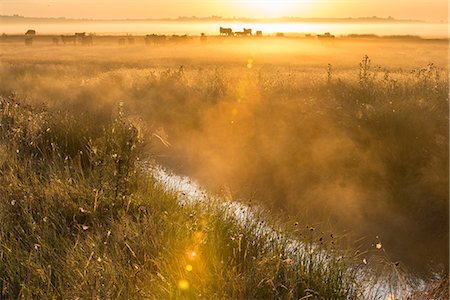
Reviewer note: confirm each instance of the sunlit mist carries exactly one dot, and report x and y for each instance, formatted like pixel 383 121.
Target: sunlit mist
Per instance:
pixel 224 149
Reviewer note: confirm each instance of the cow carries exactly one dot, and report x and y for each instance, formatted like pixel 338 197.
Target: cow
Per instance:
pixel 79 37
pixel 148 39
pixel 203 38
pixel 68 39
pixel 178 38
pixel 28 41
pixel 226 31
pixel 131 40
pixel 87 40
pixel 326 35
pixel 55 41
pixel 122 41
pixel 155 39
pixel 29 37
pixel 259 33
pixel 245 32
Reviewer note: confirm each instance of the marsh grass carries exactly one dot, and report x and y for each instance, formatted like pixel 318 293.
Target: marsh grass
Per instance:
pixel 79 218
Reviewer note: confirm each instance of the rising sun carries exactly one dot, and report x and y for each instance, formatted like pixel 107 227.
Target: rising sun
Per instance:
pixel 273 8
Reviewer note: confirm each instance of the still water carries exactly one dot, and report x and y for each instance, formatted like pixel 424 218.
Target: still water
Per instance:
pixel 427 30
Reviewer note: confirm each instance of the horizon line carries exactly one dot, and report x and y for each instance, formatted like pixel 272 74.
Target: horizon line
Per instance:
pixel 234 18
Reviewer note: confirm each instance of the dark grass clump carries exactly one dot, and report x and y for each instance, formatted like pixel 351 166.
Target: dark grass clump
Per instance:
pixel 65 183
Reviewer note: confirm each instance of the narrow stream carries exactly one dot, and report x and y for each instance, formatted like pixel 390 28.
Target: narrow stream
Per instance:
pixel 189 192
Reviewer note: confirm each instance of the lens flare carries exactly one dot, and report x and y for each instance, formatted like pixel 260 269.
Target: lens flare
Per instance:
pixel 183 285
pixel 192 255
pixel 250 63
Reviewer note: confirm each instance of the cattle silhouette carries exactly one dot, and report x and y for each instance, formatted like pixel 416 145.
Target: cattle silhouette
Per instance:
pixel 178 38
pixel 83 39
pixel 154 39
pixel 326 35
pixel 29 37
pixel 87 40
pixel 128 39
pixel 79 37
pixel 203 38
pixel 28 41
pixel 245 32
pixel 226 31
pixel 68 39
pixel 55 41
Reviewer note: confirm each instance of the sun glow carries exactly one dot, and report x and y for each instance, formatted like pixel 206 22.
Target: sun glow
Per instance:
pixel 274 8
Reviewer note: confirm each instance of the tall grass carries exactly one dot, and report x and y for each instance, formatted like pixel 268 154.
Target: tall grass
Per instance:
pixel 78 219
pixel 366 150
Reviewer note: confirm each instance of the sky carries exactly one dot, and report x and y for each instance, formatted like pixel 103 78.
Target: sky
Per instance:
pixel 432 10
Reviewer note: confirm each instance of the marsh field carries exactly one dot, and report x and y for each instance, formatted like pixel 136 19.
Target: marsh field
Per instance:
pixel 340 144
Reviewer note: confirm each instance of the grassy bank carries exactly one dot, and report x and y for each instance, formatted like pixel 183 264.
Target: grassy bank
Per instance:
pixel 358 148
pixel 79 219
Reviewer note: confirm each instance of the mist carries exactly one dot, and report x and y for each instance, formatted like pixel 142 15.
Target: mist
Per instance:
pixel 316 132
